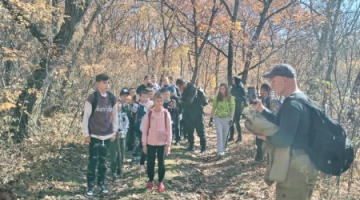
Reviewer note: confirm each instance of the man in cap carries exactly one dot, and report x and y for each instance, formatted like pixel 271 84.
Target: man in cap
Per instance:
pixel 294 121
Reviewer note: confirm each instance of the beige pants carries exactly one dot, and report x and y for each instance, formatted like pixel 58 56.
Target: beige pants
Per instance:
pixel 300 180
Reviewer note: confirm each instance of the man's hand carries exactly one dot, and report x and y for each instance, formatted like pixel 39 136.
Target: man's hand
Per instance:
pixel 258 105
pixel 167 150
pixel 211 122
pixel 113 138
pixel 145 149
pixel 87 139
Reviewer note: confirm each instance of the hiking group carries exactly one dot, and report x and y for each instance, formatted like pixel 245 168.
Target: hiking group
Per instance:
pixel 149 119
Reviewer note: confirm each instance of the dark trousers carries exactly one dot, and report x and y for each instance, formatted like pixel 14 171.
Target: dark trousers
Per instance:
pixel 130 139
pixel 176 130
pixel 259 149
pixel 97 157
pixel 138 147
pixel 236 120
pixel 198 125
pixel 182 128
pixel 151 155
pixel 116 156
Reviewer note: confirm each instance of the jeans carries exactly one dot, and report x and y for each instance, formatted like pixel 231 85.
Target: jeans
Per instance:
pixel 151 155
pixel 222 130
pixel 116 156
pixel 97 157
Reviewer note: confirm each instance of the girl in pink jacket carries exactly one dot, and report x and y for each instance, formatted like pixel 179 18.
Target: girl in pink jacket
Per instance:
pixel 156 139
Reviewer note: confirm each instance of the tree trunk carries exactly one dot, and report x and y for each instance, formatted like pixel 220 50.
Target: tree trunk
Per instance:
pixel 74 13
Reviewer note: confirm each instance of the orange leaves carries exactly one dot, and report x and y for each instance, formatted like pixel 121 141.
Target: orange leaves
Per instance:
pixel 6 106
pixel 89 71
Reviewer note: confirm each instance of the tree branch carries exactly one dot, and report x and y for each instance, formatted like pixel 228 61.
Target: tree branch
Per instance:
pixel 227 7
pixel 280 10
pixel 217 48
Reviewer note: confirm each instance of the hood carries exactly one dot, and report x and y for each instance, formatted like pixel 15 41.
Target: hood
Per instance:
pixel 238 81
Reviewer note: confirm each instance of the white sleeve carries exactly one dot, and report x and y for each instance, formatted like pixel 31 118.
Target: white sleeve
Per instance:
pixel 86 117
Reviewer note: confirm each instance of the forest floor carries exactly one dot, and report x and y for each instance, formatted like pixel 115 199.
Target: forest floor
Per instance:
pixel 52 167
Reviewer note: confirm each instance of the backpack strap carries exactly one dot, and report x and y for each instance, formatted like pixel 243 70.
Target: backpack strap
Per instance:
pixel 111 97
pixel 94 103
pixel 308 102
pixel 149 116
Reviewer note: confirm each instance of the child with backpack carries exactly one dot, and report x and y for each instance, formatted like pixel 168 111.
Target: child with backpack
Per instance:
pixel 139 110
pixel 99 126
pixel 223 110
pixel 117 148
pixel 171 105
pixel 156 140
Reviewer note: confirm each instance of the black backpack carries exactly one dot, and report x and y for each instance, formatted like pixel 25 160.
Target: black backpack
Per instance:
pixel 329 150
pixel 202 97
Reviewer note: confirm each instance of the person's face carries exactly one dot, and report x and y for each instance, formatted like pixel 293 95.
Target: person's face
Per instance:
pixel 147 80
pixel 103 86
pixel 264 92
pixel 151 94
pixel 132 92
pixel 143 98
pixel 166 81
pixel 124 97
pixel 172 94
pixel 158 102
pixel 171 81
pixel 166 95
pixel 278 84
pixel 154 79
pixel 119 104
pixel 181 87
pixel 222 90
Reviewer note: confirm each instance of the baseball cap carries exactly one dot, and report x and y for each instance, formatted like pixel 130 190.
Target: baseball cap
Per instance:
pixel 124 91
pixel 171 88
pixel 283 70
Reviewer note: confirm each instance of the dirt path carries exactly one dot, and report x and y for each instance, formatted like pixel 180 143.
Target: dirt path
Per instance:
pixel 41 169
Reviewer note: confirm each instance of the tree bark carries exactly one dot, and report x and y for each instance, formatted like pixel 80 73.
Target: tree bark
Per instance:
pixel 74 14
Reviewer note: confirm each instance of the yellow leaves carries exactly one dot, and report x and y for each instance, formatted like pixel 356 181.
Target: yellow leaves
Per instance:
pixel 90 71
pixel 6 106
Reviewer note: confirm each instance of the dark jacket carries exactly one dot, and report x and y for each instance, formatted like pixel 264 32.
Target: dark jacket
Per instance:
pixel 192 109
pixel 140 88
pixel 238 91
pixel 174 112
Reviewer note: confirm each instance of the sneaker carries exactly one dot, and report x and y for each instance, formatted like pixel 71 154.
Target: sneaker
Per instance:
pixel 177 143
pixel 133 160
pixel 142 169
pixel 90 191
pixel 191 148
pixel 114 175
pixel 150 185
pixel 161 187
pixel 231 139
pixel 103 188
pixel 222 153
pixel 203 153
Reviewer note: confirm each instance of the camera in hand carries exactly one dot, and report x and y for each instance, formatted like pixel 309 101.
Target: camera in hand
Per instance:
pixel 251 95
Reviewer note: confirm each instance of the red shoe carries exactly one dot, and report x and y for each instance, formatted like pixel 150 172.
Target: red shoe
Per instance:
pixel 150 185
pixel 161 187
